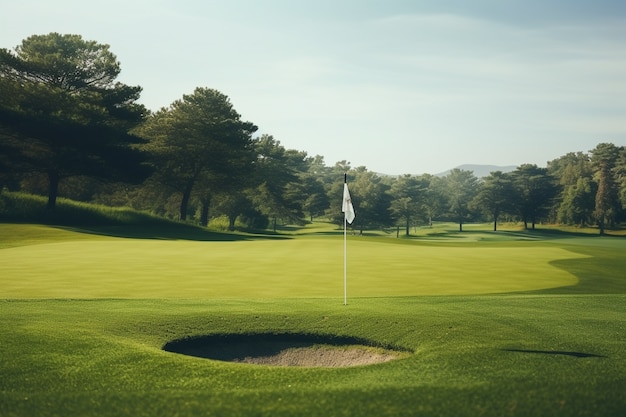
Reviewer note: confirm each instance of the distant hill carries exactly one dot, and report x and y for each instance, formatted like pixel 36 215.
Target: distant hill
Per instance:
pixel 480 170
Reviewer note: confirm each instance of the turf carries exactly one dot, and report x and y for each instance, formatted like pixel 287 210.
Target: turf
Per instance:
pixel 306 266
pixel 506 324
pixel 484 355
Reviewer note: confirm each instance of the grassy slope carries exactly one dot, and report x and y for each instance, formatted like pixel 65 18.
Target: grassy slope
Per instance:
pixel 516 354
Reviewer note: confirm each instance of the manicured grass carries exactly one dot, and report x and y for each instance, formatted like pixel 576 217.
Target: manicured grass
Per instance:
pixel 481 355
pixel 271 268
pixel 66 264
pixel 504 324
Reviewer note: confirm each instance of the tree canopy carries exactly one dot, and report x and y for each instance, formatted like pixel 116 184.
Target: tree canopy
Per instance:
pixel 62 114
pixel 199 143
pixel 461 187
pixel 495 195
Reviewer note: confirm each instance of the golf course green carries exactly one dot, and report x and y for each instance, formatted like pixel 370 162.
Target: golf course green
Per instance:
pixel 507 323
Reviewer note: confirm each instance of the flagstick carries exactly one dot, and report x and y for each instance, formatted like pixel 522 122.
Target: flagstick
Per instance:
pixel 345 263
pixel 348 210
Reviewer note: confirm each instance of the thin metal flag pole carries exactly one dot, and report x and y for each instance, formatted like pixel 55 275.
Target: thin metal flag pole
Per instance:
pixel 345 260
pixel 348 217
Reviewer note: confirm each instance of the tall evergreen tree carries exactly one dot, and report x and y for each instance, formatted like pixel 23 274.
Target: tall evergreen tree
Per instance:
pixel 573 173
pixel 461 188
pixel 408 193
pixel 578 202
pixel 275 170
pixel 534 191
pixel 604 160
pixel 495 195
pixel 434 202
pixel 64 114
pixel 313 180
pixel 620 172
pixel 199 143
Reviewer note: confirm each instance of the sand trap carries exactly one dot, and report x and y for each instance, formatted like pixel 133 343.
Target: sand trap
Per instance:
pixel 322 356
pixel 286 350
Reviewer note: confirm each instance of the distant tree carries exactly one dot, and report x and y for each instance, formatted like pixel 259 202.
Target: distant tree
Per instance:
pixel 620 172
pixel 573 173
pixel 63 114
pixel 199 143
pixel 275 168
pixel 370 199
pixel 296 191
pixel 434 201
pixel 569 167
pixel 604 161
pixel 495 195
pixel 534 191
pixel 313 180
pixel 316 199
pixel 578 202
pixel 407 197
pixel 461 187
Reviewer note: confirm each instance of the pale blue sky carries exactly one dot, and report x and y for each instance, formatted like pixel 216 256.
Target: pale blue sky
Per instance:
pixel 397 86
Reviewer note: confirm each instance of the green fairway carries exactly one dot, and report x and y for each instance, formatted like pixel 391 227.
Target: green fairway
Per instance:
pixel 309 266
pixel 499 324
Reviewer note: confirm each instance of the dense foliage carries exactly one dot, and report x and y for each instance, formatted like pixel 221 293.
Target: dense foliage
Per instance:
pixel 62 114
pixel 67 128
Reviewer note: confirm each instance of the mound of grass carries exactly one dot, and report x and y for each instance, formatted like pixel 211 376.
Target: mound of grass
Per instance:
pixel 19 211
pixel 20 208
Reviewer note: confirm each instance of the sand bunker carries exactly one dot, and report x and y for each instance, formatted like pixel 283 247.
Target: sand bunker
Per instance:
pixel 286 350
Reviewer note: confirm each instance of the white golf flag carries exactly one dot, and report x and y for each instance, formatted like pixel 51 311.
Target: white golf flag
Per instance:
pixel 347 204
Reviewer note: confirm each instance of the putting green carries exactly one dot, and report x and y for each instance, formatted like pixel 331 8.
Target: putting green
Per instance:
pixel 301 267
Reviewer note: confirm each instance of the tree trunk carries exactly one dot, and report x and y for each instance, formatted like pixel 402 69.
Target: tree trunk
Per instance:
pixel 53 190
pixel 495 223
pixel 204 213
pixel 601 225
pixel 184 203
pixel 231 221
pixel 460 225
pixel 408 226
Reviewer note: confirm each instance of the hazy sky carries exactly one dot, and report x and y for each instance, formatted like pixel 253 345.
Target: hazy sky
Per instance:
pixel 397 86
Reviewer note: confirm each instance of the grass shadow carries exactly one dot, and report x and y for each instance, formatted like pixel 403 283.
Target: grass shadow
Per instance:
pixel 169 231
pixel 600 272
pixel 556 352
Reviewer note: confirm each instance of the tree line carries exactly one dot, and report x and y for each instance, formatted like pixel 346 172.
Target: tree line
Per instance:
pixel 68 128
